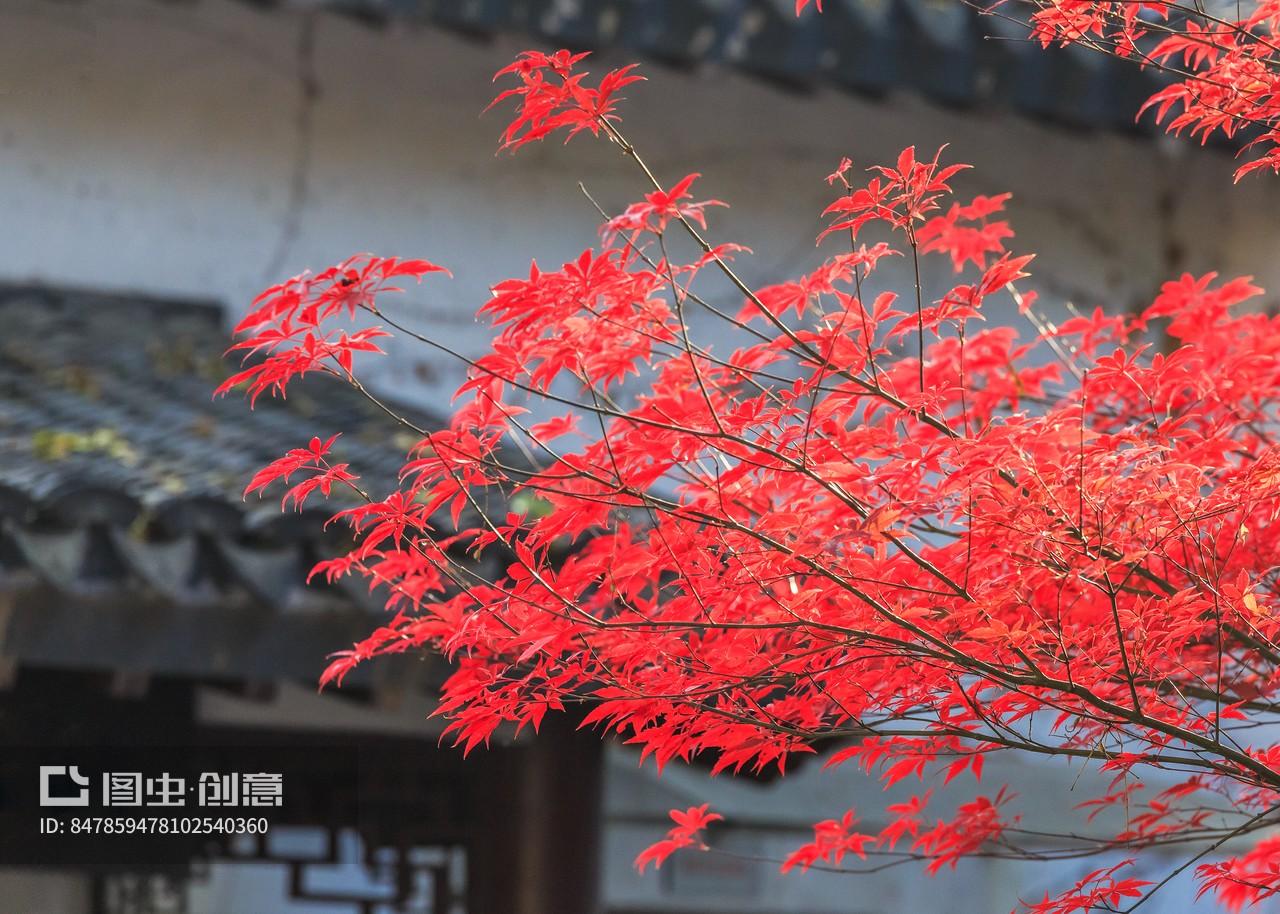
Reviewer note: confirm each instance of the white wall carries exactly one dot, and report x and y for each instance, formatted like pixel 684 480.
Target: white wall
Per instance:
pixel 158 147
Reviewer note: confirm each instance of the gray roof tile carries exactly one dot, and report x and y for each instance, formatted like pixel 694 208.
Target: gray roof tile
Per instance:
pixel 945 49
pixel 119 469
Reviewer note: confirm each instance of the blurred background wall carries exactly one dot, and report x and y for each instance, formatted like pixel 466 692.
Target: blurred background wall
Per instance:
pixel 207 148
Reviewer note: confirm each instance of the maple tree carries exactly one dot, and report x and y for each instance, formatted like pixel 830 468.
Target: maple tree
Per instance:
pixel 839 512
pixel 1221 60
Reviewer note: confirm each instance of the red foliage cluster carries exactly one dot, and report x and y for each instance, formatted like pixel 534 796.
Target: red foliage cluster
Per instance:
pixel 1059 541
pixel 287 337
pixel 319 474
pixel 683 834
pixel 658 209
pixel 553 97
pixel 945 843
pixel 1098 891
pixel 1223 58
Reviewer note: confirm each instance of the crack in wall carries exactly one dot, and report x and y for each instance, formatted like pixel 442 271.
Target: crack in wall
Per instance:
pixel 304 134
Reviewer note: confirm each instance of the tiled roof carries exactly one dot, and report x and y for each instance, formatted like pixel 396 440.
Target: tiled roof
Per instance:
pixel 107 415
pixel 121 481
pixel 945 49
pixel 124 541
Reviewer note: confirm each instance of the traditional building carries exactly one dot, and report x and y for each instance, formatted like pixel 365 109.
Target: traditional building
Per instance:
pixel 145 604
pixel 163 161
